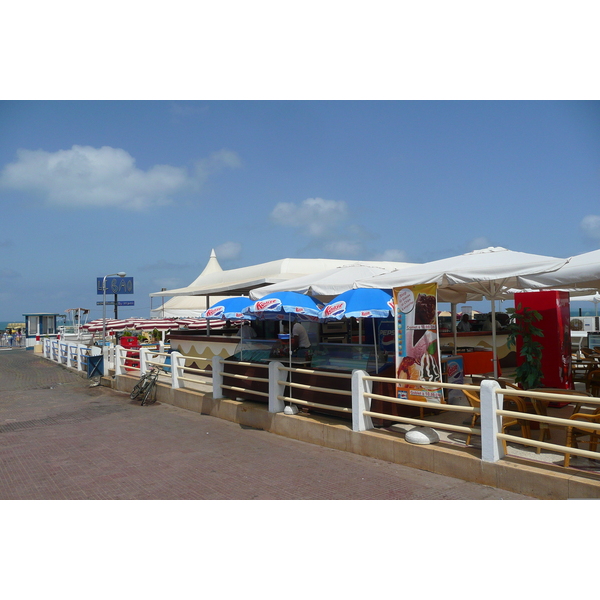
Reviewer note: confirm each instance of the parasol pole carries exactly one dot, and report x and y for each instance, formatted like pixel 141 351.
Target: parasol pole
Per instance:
pixel 453 317
pixel 495 354
pixel 375 344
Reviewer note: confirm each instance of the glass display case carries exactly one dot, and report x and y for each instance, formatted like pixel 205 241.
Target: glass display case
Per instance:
pixel 341 357
pixel 259 351
pixel 347 357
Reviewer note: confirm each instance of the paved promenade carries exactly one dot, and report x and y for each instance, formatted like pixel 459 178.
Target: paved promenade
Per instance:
pixel 62 439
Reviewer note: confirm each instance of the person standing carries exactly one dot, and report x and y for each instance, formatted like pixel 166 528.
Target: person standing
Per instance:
pixel 299 339
pixel 246 331
pixel 464 324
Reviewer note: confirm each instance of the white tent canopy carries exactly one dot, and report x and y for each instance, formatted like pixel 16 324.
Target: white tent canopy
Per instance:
pixel 488 273
pixel 581 271
pixel 241 281
pixel 328 284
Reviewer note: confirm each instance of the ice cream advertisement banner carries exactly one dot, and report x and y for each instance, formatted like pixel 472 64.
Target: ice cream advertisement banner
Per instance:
pixel 417 342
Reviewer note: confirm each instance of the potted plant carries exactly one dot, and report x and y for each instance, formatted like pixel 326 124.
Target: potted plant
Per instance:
pixel 522 325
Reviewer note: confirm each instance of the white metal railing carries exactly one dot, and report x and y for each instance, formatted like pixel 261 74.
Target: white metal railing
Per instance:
pixel 70 354
pixel 172 365
pixel 491 412
pixel 303 386
pixel 218 365
pixel 548 420
pixel 279 377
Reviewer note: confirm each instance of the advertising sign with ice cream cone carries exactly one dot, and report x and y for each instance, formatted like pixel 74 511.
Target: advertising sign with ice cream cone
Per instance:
pixel 417 342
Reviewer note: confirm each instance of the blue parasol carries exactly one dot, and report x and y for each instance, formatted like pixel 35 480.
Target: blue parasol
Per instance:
pixel 229 308
pixel 360 303
pixel 280 305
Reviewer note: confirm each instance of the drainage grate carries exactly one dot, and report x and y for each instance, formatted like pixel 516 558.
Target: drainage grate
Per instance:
pixel 80 416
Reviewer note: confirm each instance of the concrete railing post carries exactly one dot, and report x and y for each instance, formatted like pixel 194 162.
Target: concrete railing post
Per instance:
pixel 217 378
pixel 143 360
pixel 491 423
pixel 360 403
pixel 105 360
pixel 177 364
pixel 120 354
pixel 80 350
pixel 275 389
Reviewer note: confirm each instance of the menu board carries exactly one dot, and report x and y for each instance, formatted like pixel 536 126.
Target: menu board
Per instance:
pixel 417 342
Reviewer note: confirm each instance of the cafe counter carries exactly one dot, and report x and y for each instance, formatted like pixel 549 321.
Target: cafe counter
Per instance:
pixel 480 340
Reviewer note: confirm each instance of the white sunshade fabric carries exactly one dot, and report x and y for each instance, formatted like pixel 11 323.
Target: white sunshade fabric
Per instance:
pixel 326 284
pixel 487 273
pixel 245 279
pixel 581 271
pixel 493 273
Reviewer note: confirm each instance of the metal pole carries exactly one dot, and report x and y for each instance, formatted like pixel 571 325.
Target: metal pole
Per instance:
pixel 121 274
pixel 104 310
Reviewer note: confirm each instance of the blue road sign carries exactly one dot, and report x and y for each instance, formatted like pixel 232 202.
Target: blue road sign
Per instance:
pixel 115 285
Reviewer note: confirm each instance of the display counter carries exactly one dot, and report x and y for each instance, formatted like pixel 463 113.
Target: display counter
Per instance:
pixel 481 339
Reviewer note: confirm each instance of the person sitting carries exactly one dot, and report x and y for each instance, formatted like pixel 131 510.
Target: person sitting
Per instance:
pixel 464 324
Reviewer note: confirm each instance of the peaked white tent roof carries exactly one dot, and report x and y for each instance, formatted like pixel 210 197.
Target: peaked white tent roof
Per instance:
pixel 189 306
pixel 241 281
pixel 330 283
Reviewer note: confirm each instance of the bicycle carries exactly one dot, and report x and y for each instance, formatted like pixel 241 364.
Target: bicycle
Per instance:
pixel 146 386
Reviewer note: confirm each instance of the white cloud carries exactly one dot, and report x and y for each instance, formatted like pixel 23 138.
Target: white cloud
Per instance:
pixel 228 251
pixel 84 177
pixel 345 249
pixel 327 224
pixel 315 217
pixel 392 255
pixel 215 163
pixel 590 225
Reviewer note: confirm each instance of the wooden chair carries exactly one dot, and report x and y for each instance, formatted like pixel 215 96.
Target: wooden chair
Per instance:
pixel 592 382
pixel 577 431
pixel 507 422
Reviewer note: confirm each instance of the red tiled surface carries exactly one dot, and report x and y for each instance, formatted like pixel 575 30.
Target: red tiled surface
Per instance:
pixel 62 439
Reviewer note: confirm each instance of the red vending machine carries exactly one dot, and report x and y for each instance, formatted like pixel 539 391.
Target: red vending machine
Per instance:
pixel 556 357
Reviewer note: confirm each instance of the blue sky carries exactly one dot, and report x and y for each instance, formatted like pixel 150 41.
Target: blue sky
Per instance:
pixel 406 131
pixel 88 188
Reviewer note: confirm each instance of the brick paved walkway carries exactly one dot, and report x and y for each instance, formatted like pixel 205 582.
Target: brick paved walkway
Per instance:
pixel 62 439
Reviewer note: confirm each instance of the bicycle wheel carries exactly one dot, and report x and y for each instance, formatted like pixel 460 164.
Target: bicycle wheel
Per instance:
pixel 141 386
pixel 149 394
pixel 137 388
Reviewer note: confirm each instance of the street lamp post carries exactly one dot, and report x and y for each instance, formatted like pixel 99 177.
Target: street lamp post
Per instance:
pixel 120 274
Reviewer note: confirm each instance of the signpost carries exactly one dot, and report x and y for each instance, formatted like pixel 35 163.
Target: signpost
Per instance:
pixel 119 303
pixel 117 283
